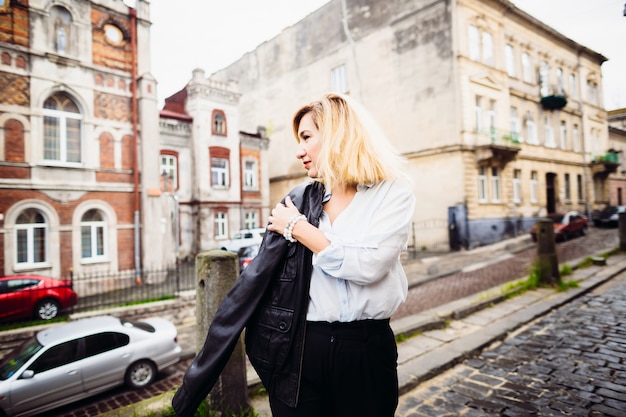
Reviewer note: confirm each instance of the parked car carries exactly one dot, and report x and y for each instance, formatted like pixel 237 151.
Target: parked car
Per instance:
pixel 608 216
pixel 244 237
pixel 565 225
pixel 246 254
pixel 72 361
pixel 26 296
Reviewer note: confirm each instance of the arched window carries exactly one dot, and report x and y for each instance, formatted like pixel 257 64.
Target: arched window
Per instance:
pixel 218 125
pixel 62 129
pixel 93 236
pixel 31 238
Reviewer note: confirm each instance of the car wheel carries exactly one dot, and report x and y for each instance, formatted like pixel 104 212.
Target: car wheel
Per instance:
pixel 140 374
pixel 47 309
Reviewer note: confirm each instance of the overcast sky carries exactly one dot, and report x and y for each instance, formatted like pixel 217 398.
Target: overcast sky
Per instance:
pixel 210 34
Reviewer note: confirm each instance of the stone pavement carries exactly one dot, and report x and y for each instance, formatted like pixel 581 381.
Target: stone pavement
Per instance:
pixel 570 362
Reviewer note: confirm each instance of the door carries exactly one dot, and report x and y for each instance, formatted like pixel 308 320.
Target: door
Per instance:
pixel 56 381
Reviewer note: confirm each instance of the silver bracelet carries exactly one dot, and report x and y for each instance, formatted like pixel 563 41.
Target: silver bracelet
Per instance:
pixel 287 233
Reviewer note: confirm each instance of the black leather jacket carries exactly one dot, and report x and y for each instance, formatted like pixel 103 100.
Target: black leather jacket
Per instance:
pixel 270 299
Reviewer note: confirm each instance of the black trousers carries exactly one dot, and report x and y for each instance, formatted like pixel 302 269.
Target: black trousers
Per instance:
pixel 349 369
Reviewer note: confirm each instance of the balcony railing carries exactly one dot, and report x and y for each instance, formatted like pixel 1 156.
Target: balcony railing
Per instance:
pixel 497 145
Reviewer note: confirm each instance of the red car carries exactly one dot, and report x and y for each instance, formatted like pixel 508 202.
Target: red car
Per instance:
pixel 25 296
pixel 565 225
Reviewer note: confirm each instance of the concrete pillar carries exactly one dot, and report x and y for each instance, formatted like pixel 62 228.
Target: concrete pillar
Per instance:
pixel 547 263
pixel 622 231
pixel 216 272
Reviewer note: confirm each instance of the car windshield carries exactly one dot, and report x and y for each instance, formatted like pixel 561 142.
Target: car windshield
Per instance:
pixel 14 361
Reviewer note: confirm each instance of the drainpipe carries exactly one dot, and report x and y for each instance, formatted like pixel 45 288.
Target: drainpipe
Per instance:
pixel 133 88
pixel 583 127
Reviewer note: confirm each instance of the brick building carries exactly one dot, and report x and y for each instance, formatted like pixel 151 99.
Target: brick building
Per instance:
pixel 72 119
pixel 214 171
pixel 500 115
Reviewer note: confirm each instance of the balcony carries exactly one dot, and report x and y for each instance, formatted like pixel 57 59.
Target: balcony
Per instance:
pixel 497 146
pixel 605 164
pixel 553 102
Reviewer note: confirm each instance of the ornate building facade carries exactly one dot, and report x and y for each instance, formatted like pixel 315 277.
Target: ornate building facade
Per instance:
pixel 500 115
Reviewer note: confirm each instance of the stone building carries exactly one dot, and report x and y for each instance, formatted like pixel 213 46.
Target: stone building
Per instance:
pixel 500 115
pixel 79 173
pixel 214 172
pixel 617 143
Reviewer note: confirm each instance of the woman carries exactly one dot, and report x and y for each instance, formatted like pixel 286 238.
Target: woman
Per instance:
pixel 317 299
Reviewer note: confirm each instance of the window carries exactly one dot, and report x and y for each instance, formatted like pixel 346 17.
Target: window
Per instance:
pixel 514 124
pixel 338 80
pixel 547 120
pixel 517 186
pixel 478 111
pixel 563 134
pixel 482 185
pixel 579 187
pixel 251 220
pixel 559 81
pixel 474 43
pixel 31 236
pixel 534 190
pixel 56 356
pixel 592 92
pixel 487 46
pixel 250 177
pixel 169 170
pixel 544 72
pixel 527 71
pixel 568 193
pixel 480 45
pixel 113 34
pixel 93 236
pixel 62 129
pixel 218 123
pixel 104 342
pixel 491 116
pixel 531 131
pixel 221 225
pixel 219 173
pixel 575 139
pixel 572 86
pixel 4 5
pixel 509 60
pixel 495 184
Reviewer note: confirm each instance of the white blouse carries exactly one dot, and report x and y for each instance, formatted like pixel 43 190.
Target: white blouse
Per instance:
pixel 359 276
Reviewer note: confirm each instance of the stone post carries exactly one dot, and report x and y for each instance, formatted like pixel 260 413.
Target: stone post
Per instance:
pixel 547 263
pixel 216 272
pixel 621 223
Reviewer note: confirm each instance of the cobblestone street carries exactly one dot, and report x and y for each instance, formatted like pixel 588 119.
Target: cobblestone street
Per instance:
pixel 569 363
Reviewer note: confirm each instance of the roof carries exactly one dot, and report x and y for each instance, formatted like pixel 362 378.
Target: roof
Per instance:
pixel 76 328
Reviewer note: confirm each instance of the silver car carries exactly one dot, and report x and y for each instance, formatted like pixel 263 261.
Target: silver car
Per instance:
pixel 71 361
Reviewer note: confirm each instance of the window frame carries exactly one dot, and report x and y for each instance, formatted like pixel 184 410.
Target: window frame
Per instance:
pixel 495 185
pixel 61 141
pixel 482 185
pixel 220 223
pixel 339 79
pixel 97 229
pixel 220 174
pixel 534 187
pixel 251 219
pixel 31 238
pixel 509 60
pixel 527 72
pixel 517 186
pixel 250 175
pixel 171 168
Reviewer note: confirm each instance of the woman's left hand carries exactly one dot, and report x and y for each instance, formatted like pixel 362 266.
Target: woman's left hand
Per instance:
pixel 281 215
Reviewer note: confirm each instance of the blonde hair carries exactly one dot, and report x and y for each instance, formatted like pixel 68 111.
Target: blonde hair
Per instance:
pixel 354 150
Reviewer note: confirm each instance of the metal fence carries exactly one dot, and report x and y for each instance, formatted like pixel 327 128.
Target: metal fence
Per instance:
pixel 94 291
pixel 106 290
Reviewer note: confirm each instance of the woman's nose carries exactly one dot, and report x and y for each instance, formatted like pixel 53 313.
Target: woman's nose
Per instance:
pixel 300 153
